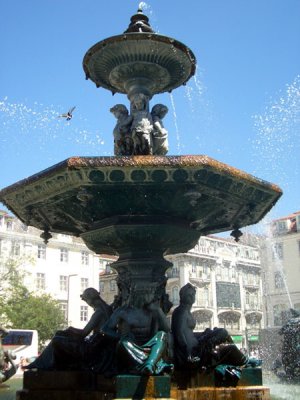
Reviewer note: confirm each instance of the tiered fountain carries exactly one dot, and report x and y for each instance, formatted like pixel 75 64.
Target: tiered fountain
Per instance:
pixel 140 204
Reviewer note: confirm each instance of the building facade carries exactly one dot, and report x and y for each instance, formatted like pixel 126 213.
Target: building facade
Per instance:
pixel 280 257
pixel 227 276
pixel 63 268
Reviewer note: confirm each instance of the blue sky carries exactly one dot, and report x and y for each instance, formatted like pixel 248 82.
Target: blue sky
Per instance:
pixel 242 107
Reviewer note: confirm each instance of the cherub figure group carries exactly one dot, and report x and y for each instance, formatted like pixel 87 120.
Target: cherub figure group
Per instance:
pixel 141 132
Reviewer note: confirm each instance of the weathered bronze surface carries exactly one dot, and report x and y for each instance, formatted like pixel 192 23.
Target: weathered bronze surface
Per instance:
pixel 139 61
pixel 194 193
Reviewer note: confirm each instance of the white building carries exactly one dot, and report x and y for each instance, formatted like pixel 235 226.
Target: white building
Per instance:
pixel 63 268
pixel 281 266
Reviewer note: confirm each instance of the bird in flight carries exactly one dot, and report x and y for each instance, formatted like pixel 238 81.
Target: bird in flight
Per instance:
pixel 68 115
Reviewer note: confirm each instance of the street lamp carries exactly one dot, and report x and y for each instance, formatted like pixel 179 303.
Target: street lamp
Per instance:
pixel 68 296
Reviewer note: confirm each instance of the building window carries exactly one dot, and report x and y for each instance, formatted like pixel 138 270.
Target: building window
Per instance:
pixel 41 251
pixel 84 283
pixel 202 296
pixel 175 271
pixel 229 322
pixel 63 305
pixel 64 255
pixel 9 225
pixel 112 285
pixel 40 281
pixel 101 287
pixel 247 298
pixel 281 226
pixel 84 258
pixel 278 280
pixel 15 249
pixel 83 313
pixel 63 283
pixel 175 295
pixel 278 251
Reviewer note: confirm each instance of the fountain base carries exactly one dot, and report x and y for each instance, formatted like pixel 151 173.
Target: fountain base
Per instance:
pixel 84 385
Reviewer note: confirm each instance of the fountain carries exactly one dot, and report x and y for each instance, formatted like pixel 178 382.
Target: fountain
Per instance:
pixel 139 205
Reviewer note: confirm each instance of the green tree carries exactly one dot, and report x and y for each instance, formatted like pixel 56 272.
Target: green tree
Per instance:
pixel 21 308
pixel 40 312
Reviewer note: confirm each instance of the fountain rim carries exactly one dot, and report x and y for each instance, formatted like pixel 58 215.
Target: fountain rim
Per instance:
pixel 186 161
pixel 99 46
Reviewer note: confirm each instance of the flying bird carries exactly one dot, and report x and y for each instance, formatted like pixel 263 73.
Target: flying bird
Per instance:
pixel 68 115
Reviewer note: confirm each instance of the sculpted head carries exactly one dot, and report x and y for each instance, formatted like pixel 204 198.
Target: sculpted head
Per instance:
pixel 118 110
pixel 187 294
pixel 159 110
pixel 90 295
pixel 140 101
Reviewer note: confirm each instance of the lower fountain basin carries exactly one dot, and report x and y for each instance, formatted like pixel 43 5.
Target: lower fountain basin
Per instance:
pixel 196 193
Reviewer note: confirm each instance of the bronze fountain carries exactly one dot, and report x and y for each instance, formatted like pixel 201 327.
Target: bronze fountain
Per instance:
pixel 140 204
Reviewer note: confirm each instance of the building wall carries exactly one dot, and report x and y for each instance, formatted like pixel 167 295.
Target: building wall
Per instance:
pixel 63 268
pixel 281 264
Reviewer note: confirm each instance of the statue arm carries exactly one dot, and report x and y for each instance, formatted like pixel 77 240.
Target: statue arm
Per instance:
pixel 161 321
pixel 110 327
pixel 93 323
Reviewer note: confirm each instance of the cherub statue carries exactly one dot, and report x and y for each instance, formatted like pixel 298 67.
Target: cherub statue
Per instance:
pixel 160 134
pixel 123 144
pixel 142 125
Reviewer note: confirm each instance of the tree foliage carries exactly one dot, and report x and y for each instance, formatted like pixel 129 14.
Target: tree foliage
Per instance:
pixel 24 309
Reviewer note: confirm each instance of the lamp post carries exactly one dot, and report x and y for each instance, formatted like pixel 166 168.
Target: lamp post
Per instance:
pixel 68 296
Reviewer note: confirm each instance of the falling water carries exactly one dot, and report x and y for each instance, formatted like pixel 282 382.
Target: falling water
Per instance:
pixel 200 107
pixel 277 139
pixel 147 9
pixel 175 124
pixel 23 124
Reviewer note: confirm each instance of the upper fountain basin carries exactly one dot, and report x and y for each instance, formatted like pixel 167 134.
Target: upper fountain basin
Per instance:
pixel 139 63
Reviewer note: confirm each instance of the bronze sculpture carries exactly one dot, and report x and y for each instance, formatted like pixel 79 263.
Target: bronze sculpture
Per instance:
pixel 207 349
pixel 75 348
pixel 142 205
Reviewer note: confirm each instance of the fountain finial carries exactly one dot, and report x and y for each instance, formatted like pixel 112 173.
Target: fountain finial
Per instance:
pixel 139 23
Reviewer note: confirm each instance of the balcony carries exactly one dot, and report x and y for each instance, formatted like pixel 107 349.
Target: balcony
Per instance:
pixel 200 277
pixel 251 284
